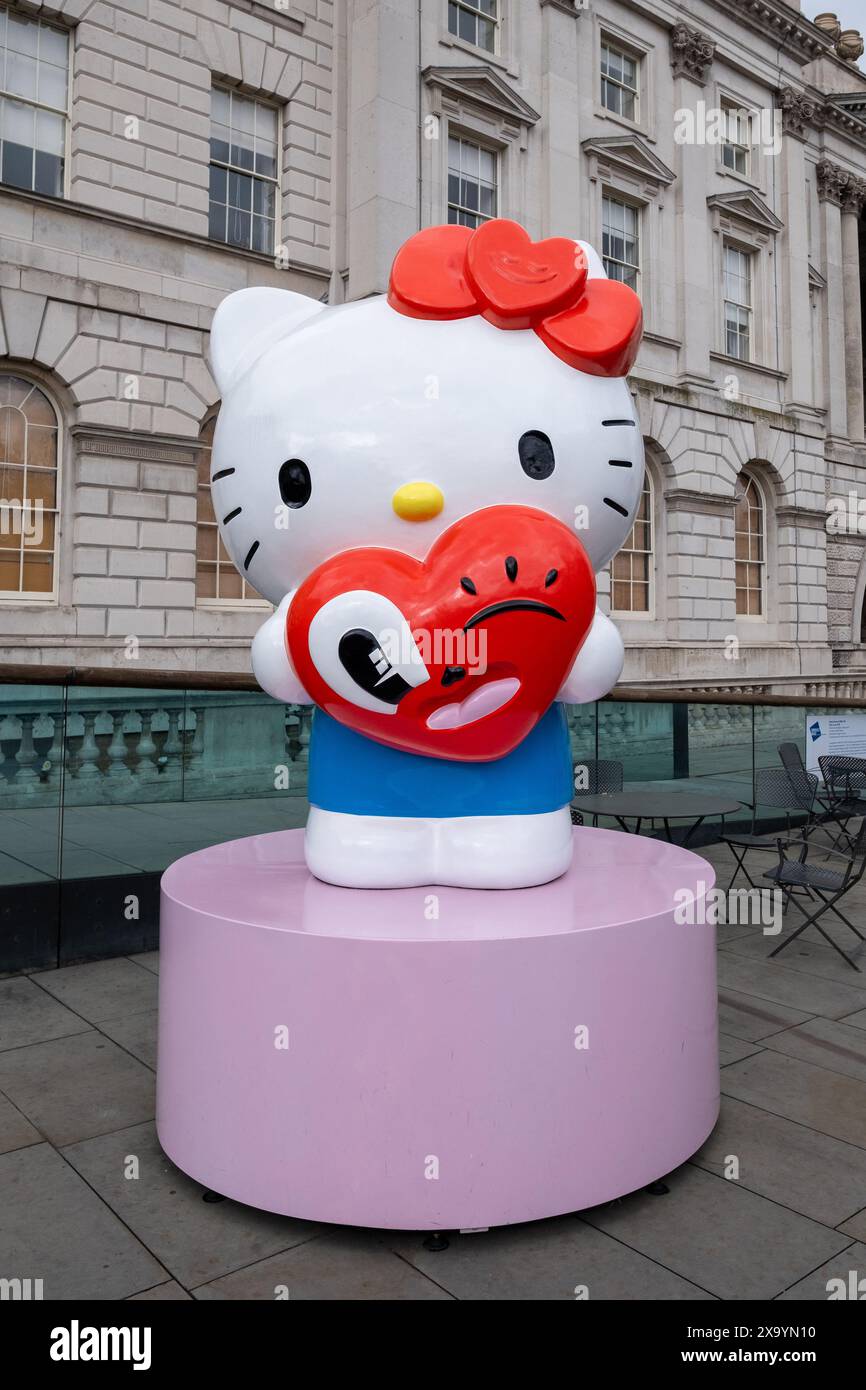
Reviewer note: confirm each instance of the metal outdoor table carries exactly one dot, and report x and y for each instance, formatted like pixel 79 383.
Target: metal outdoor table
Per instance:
pixel 658 805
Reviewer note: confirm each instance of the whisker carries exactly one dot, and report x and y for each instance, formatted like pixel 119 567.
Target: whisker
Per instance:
pixel 250 553
pixel 223 473
pixel 231 516
pixel 608 502
pixel 620 463
pixel 618 422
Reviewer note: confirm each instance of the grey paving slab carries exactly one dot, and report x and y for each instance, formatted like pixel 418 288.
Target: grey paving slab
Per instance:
pixel 351 1265
pixel 136 1033
pixel 29 1015
pixel 744 1016
pixel 196 1241
pixel 734 1049
pixel 16 1131
pixel 53 1228
pixel 813 1096
pixel 776 982
pixel 564 1258
pixel 809 957
pixel 720 1236
pixel 827 1043
pixel 102 989
pixel 857 1020
pixel 855 1226
pixel 77 1087
pixel 149 959
pixel 813 1174
pixel 16 871
pixel 823 1284
pixel 170 1292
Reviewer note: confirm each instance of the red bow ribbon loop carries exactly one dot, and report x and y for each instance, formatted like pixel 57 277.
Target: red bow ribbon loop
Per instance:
pixel 453 272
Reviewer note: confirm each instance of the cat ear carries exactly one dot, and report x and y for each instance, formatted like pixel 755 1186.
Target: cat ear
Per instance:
pixel 594 261
pixel 248 322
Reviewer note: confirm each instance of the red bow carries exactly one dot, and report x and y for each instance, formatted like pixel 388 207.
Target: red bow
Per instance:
pixel 452 272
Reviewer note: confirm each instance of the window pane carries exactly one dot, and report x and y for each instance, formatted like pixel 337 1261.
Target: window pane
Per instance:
pixel 239 228
pixel 53 46
pixel 21 75
pixel 217 221
pixel 17 166
pixel 50 133
pixel 241 155
pixel 48 175
pixel 240 191
pixel 263 233
pixel 53 86
pixel 22 35
pixel 219 106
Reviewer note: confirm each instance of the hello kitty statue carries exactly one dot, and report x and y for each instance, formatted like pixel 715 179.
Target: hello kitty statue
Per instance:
pixel 425 484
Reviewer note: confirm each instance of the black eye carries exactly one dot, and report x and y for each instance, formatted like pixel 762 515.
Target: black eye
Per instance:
pixel 295 483
pixel 536 455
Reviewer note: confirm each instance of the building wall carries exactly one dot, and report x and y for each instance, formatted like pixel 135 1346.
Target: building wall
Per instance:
pixel 117 284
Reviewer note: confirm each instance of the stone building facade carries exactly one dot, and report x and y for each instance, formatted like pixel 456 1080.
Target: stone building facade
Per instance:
pixel 714 151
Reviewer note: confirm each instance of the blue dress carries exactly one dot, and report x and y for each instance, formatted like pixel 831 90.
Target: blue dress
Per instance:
pixel 354 774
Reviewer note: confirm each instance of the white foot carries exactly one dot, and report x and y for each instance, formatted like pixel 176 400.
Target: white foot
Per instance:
pixel 466 852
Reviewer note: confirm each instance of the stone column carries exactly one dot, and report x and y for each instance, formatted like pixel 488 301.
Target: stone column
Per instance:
pixel 853 198
pixel 382 138
pixel 831 182
pixel 797 110
pixel 560 126
pixel 691 59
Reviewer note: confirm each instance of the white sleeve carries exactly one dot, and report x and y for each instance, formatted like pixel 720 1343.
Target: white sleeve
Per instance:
pixel 271 666
pixel 597 666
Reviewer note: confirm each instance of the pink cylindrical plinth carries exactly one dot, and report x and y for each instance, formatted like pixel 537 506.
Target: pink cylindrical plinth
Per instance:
pixel 434 1058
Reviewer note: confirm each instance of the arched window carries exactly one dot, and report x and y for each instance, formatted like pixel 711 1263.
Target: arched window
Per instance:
pixel 29 467
pixel 631 569
pixel 217 582
pixel 750 548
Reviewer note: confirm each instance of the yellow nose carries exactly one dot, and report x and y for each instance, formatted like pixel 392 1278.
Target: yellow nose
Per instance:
pixel 418 501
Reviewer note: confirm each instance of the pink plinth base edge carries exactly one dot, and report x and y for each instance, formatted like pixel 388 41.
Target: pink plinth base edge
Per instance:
pixel 432 1078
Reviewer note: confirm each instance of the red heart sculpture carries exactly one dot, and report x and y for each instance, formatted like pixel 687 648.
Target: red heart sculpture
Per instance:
pixel 518 282
pixel 498 611
pixel 428 279
pixel 601 334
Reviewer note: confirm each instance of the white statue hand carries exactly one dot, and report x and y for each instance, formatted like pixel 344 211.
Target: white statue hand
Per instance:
pixel 597 666
pixel 271 666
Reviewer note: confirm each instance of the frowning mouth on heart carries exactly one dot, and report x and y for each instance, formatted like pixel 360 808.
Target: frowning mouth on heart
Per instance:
pixel 485 699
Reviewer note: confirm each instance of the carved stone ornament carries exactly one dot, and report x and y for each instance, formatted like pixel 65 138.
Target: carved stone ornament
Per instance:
pixel 691 53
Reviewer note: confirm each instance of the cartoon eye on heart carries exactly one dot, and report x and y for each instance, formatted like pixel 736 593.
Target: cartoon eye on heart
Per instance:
pixel 362 647
pixel 456 656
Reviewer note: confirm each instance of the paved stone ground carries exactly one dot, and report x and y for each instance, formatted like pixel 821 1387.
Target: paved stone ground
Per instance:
pixel 77 1056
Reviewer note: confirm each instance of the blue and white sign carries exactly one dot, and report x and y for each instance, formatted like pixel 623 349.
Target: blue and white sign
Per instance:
pixel 841 734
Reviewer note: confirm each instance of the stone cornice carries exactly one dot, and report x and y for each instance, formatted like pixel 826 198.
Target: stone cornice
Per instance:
pixel 691 53
pixel 631 154
pixel 481 86
pixel 129 444
pixel 572 8
pixel 776 21
pixel 705 503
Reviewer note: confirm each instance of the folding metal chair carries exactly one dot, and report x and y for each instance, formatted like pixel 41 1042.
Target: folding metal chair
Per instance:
pixel 828 885
pixel 845 792
pixel 790 791
pixel 602 775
